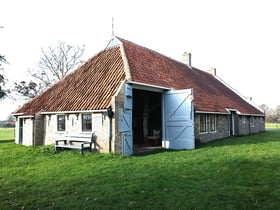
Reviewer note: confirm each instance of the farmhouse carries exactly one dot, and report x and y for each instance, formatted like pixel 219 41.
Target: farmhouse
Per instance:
pixel 129 96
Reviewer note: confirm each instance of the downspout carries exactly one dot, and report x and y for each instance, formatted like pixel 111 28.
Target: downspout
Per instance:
pixel 33 134
pixel 110 115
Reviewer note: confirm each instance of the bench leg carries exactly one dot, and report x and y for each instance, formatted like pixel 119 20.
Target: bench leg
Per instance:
pixel 56 148
pixel 82 149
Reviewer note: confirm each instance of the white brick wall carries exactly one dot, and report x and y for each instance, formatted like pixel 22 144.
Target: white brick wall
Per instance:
pixel 27 137
pixel 73 124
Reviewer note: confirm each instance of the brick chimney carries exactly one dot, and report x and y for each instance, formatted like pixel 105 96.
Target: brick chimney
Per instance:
pixel 187 59
pixel 212 71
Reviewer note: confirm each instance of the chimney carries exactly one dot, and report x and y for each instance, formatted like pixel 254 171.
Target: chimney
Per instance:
pixel 212 71
pixel 187 59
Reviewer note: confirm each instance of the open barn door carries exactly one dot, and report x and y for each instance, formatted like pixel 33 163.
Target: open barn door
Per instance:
pixel 126 122
pixel 178 119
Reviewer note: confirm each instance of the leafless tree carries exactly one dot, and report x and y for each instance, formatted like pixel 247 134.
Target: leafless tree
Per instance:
pixel 265 108
pixel 3 92
pixel 272 114
pixel 28 89
pixel 54 64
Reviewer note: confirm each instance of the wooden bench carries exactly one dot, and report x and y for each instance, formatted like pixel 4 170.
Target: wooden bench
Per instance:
pixel 79 142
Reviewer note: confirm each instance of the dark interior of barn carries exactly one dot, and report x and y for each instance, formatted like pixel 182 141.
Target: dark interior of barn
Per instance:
pixel 146 119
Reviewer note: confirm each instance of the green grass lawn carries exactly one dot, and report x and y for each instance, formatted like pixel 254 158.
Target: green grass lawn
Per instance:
pixel 272 125
pixel 234 173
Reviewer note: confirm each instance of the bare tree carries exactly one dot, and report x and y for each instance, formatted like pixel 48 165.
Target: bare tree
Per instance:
pixel 28 89
pixel 272 114
pixel 265 108
pixel 3 92
pixel 277 111
pixel 54 64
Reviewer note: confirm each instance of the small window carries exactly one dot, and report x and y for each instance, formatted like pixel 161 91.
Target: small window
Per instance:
pixel 252 121
pixel 202 123
pixel 86 122
pixel 212 123
pixel 244 119
pixel 60 122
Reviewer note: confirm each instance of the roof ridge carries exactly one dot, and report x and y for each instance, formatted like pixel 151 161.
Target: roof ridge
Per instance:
pixel 125 61
pixel 148 66
pixel 161 54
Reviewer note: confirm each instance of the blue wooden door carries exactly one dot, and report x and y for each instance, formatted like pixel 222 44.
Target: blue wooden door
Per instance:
pixel 126 122
pixel 127 144
pixel 178 116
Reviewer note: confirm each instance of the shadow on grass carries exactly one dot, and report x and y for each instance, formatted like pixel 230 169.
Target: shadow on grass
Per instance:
pixel 150 152
pixel 6 141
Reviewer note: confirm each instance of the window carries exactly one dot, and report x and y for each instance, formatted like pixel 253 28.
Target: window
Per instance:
pixel 262 119
pixel 207 123
pixel 252 121
pixel 86 122
pixel 212 123
pixel 244 119
pixel 202 123
pixel 60 122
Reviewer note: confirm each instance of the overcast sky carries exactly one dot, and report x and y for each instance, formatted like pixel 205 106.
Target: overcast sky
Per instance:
pixel 240 38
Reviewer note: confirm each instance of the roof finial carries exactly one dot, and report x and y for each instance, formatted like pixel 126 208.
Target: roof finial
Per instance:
pixel 113 27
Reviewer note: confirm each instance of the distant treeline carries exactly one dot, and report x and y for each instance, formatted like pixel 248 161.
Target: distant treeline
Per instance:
pixel 7 124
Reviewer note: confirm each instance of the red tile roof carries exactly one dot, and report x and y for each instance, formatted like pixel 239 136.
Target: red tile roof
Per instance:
pixel 92 86
pixel 210 95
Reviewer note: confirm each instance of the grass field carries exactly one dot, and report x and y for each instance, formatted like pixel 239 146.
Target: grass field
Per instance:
pixel 234 173
pixel 272 125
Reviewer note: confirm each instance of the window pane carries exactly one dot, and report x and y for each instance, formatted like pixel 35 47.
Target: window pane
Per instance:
pixel 212 122
pixel 202 125
pixel 252 121
pixel 86 122
pixel 61 122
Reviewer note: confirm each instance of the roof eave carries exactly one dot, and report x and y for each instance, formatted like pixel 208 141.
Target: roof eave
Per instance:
pixel 209 112
pixel 76 112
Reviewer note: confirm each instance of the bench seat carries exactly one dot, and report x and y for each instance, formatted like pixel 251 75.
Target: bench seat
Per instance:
pixel 78 142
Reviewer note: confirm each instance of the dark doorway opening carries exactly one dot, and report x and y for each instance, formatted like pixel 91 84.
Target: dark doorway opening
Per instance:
pixel 233 123
pixel 146 119
pixel 20 132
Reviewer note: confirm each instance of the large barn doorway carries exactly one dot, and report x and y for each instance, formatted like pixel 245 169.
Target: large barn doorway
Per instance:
pixel 146 120
pixel 153 118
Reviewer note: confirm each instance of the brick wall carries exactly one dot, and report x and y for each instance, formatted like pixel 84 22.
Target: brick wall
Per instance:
pixel 222 129
pixel 27 137
pixel 243 124
pixel 73 125
pixel 118 103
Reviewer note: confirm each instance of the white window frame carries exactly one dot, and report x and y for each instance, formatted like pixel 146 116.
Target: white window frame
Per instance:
pixel 82 122
pixel 262 120
pixel 252 121
pixel 244 119
pixel 58 122
pixel 209 123
pixel 205 123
